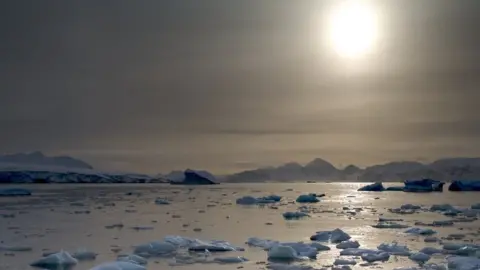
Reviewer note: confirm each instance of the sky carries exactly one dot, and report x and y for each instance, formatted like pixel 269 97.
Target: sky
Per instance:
pixel 229 85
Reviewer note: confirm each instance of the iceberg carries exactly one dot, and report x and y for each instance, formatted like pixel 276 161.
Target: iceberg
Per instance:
pixel 263 243
pixel 419 257
pixel 12 192
pixel 119 265
pixel 394 189
pixel 58 260
pixel 463 263
pixel 307 198
pixel 378 186
pixel 132 258
pixel 294 215
pixel 394 249
pixel 335 236
pixel 420 231
pixel 249 200
pixel 424 185
pixel 358 251
pixel 282 253
pixel 464 185
pixel 348 244
pixel 84 255
pixel 373 257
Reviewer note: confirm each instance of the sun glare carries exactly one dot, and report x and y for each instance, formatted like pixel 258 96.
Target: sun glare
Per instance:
pixel 353 29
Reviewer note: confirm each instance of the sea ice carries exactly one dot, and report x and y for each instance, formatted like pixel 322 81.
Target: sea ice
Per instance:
pixel 358 251
pixel 294 215
pixel 348 244
pixel 341 267
pixel 61 259
pixel 247 200
pixel 319 246
pixel 442 207
pixel 308 198
pixel 133 259
pixel 344 262
pixel 394 249
pixel 464 185
pixel 119 265
pixel 229 260
pixel 419 257
pixel 281 266
pixel 420 231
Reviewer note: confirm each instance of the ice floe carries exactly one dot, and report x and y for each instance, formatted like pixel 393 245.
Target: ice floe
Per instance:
pixel 156 248
pixel 419 257
pixel 58 260
pixel 390 225
pixel 335 236
pixel 344 262
pixel 119 265
pixel 14 248
pixel 394 249
pixel 159 201
pixel 463 263
pixel 373 187
pixel 295 215
pixel 307 198
pixel 430 239
pixel 230 260
pixel 464 185
pixel 420 231
pixel 132 258
pixel 348 244
pixel 84 255
pixel 281 252
pixel 11 192
pixel 249 200
pixel 373 257
pixel 430 250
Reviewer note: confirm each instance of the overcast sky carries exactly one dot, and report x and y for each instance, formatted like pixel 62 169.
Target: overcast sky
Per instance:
pixel 227 85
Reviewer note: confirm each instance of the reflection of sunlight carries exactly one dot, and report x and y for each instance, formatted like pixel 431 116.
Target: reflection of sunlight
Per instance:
pixel 353 28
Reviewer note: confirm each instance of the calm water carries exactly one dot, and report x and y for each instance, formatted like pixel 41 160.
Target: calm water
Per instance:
pixel 47 221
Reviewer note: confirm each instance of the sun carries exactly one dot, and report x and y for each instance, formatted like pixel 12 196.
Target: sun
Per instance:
pixel 353 28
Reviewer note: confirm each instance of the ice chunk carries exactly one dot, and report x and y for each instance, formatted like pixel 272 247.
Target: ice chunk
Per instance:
pixel 274 198
pixel 308 198
pixel 319 246
pixel 213 246
pixel 463 263
pixel 344 262
pixel 61 259
pixel 419 257
pixel 229 260
pixel 247 200
pixel 382 219
pixel 337 236
pixel 389 225
pixel 394 249
pixel 263 243
pixel 464 185
pixel 155 249
pixel 442 207
pixel 133 259
pixel 430 239
pixel 424 185
pixel 11 192
pixel 348 244
pixel 373 257
pixel 341 267
pixel 84 255
pixel 476 206
pixel 302 249
pixel 428 266
pixel 119 265
pixel 373 187
pixel 394 189
pixel 14 248
pixel 453 246
pixel 430 250
pixel 420 231
pixel 357 251
pixel 294 215
pixel 282 253
pixel 321 236
pixel 159 201
pixel 281 266
pixel 179 241
pixel 410 206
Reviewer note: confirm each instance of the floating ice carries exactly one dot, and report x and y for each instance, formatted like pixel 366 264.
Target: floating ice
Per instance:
pixel 476 206
pixel 229 260
pixel 382 219
pixel 302 249
pixel 282 253
pixel 348 244
pixel 14 248
pixel 430 239
pixel 394 189
pixel 389 225
pixel 419 257
pixel 338 236
pixel 424 185
pixel 341 267
pixel 463 263
pixel 308 198
pixel 294 215
pixel 402 211
pixel 464 185
pixel 428 266
pixel 410 206
pixel 155 249
pixel 274 198
pixel 319 246
pixel 430 250
pixel 133 259
pixel 373 257
pixel 159 201
pixel 213 246
pixel 119 265
pixel 420 231
pixel 61 259
pixel 84 255
pixel 357 251
pixel 344 262
pixel 442 207
pixel 11 192
pixel 323 236
pixel 281 266
pixel 247 200
pixel 394 249
pixel 373 187
pixel 263 243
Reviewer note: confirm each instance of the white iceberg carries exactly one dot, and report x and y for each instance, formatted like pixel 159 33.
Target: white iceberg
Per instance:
pixel 132 258
pixel 281 252
pixel 419 257
pixel 61 259
pixel 420 231
pixel 307 198
pixel 344 262
pixel 348 244
pixel 119 265
pixel 394 249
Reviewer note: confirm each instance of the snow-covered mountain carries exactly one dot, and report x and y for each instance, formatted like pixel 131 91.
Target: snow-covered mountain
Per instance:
pixel 39 159
pixel 319 169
